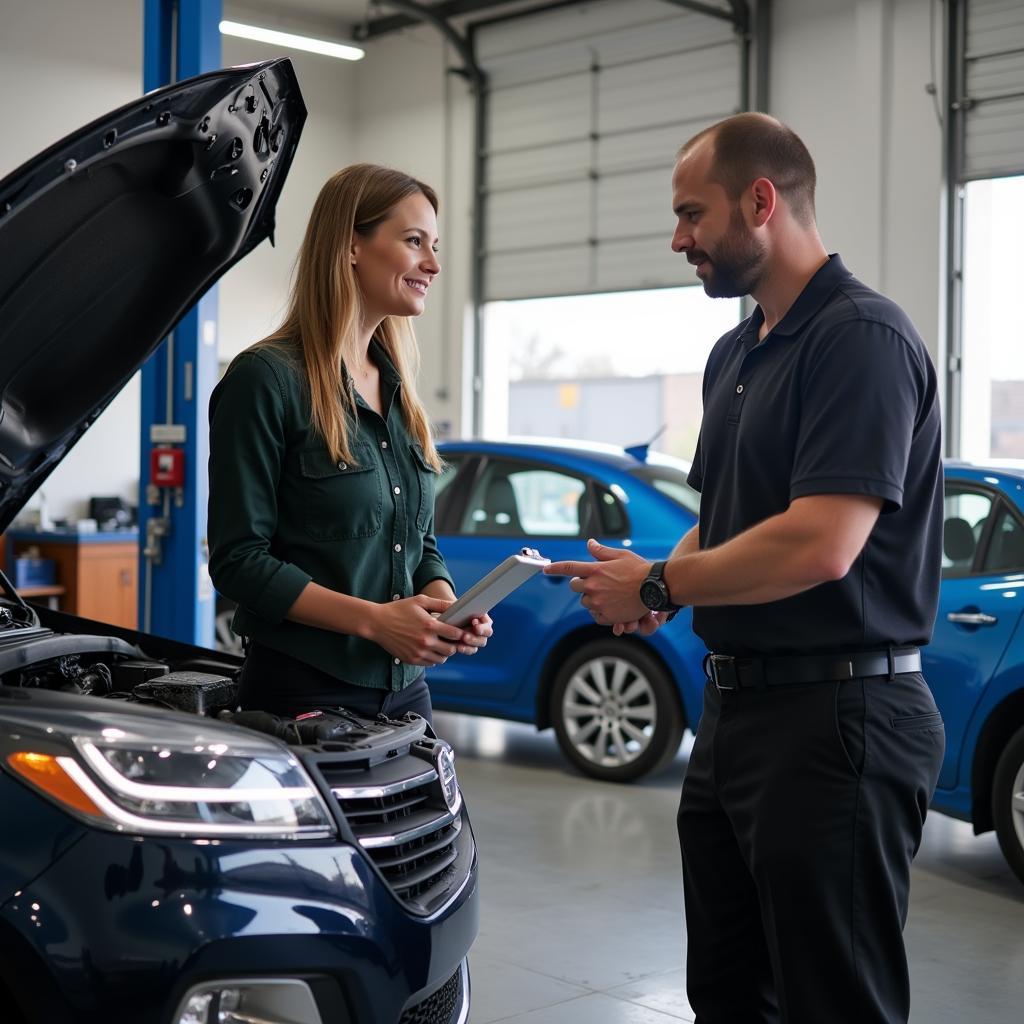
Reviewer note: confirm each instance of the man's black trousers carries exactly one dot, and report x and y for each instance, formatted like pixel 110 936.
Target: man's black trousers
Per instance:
pixel 801 812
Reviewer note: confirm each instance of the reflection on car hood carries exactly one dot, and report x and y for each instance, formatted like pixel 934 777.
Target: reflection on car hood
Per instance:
pixel 112 234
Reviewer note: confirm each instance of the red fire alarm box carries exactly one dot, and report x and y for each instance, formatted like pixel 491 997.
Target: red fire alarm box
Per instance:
pixel 167 467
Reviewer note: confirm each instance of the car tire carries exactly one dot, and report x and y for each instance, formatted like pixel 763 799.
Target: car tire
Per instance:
pixel 1008 802
pixel 616 711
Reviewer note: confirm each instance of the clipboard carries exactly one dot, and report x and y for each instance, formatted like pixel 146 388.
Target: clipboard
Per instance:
pixel 495 586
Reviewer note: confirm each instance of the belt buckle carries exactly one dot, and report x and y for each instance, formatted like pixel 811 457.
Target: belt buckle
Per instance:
pixel 714 660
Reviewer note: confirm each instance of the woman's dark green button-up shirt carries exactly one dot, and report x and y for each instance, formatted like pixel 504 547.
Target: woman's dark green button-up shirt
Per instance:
pixel 283 512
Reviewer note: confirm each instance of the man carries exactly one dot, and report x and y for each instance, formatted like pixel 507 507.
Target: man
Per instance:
pixel 813 574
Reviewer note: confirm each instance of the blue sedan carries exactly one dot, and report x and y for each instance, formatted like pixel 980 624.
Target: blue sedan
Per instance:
pixel 619 705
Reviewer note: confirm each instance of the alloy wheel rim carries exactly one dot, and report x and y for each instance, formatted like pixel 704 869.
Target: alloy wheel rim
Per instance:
pixel 1017 804
pixel 610 711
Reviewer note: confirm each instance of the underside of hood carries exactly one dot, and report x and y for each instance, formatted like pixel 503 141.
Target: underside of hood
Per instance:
pixel 111 235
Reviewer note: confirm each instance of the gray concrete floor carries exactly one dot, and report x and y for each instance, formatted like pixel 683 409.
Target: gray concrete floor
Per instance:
pixel 581 899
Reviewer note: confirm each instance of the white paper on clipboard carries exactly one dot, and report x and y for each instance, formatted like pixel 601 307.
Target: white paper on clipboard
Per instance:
pixel 495 586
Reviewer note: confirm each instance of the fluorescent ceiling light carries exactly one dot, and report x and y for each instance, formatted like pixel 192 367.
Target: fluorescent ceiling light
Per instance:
pixel 345 51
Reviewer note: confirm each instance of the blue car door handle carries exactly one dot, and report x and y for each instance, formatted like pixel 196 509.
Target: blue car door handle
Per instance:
pixel 968 618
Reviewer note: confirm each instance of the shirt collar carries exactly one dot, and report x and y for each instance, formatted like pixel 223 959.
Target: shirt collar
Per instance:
pixel 816 292
pixel 389 375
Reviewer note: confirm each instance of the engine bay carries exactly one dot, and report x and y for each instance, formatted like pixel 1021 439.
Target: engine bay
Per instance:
pixel 125 666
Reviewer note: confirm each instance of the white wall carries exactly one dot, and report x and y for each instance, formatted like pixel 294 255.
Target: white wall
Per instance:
pixel 848 75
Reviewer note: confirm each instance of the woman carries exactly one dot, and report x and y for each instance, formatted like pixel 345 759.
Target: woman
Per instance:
pixel 322 469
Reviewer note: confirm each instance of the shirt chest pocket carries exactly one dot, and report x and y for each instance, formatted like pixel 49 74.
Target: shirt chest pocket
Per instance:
pixel 426 479
pixel 340 500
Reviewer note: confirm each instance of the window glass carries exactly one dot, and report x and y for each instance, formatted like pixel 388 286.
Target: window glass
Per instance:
pixel 672 483
pixel 964 516
pixel 992 367
pixel 607 367
pixel 443 489
pixel 611 513
pixel 1006 549
pixel 512 499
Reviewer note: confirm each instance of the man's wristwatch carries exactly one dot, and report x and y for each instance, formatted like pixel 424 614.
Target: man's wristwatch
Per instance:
pixel 654 592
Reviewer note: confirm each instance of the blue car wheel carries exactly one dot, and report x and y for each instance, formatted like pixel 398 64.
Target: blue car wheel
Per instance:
pixel 616 711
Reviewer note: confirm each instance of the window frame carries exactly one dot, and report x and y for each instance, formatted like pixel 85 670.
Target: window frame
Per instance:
pixel 456 510
pixel 999 502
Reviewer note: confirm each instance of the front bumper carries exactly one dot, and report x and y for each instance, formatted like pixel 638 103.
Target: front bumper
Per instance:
pixel 121 928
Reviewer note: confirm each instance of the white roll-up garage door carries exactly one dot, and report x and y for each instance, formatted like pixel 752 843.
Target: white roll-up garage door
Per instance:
pixel 994 85
pixel 587 107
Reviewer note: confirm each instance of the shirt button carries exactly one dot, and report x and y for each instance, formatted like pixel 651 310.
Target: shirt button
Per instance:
pixel 383 444
pixel 739 389
pixel 396 597
pixel 341 465
pixel 398 547
pixel 398 490
pixel 398 661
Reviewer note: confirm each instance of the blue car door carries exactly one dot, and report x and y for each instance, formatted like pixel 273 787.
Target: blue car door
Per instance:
pixel 512 504
pixel 980 604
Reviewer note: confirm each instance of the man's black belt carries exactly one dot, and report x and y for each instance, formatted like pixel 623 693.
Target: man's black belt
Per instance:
pixel 729 673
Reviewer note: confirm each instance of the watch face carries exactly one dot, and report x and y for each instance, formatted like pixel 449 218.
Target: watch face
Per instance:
pixel 652 594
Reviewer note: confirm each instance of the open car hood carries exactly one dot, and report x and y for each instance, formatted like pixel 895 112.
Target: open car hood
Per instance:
pixel 111 235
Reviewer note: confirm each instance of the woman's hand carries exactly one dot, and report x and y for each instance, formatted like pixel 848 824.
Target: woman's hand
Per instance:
pixel 408 631
pixel 475 634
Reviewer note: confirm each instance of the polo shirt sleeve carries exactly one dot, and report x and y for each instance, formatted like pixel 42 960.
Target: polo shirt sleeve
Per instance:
pixel 860 395
pixel 247 447
pixel 695 478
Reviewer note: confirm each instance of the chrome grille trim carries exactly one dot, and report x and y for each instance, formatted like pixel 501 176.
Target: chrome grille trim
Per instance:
pixel 374 842
pixel 375 792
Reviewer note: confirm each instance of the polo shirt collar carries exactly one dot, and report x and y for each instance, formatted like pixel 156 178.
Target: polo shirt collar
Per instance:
pixel 816 293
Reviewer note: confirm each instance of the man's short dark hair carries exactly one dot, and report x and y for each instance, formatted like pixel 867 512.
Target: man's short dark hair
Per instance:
pixel 750 146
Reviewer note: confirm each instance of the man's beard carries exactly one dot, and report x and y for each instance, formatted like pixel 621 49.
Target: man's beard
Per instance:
pixel 737 264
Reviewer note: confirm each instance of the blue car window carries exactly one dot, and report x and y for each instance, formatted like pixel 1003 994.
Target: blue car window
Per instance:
pixel 672 483
pixel 1006 547
pixel 965 513
pixel 511 499
pixel 613 521
pixel 443 490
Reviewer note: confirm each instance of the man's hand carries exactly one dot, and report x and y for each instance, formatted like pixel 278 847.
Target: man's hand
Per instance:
pixel 610 587
pixel 649 624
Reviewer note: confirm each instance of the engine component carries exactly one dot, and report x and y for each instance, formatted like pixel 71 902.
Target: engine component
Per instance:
pixel 197 692
pixel 130 672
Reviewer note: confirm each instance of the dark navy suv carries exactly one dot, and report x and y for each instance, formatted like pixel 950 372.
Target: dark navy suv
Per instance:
pixel 166 859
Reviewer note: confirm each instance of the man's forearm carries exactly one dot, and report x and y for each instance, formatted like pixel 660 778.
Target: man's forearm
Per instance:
pixel 689 543
pixel 775 559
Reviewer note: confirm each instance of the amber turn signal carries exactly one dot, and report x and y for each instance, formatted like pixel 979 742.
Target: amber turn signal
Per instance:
pixel 46 773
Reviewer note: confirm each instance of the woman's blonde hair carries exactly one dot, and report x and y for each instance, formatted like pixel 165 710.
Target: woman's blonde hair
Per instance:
pixel 325 308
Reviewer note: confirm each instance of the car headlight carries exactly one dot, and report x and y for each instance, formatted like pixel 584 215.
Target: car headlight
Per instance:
pixel 201 787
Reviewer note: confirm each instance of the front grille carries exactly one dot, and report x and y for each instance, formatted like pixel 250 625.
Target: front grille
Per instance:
pixel 438 1008
pixel 398 814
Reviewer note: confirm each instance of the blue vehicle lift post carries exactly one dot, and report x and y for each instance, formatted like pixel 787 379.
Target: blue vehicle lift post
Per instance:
pixel 176 598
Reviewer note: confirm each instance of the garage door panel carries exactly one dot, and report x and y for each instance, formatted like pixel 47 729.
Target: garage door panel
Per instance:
pixel 541 113
pixel 538 216
pixel 643 263
pixel 541 165
pixel 642 78
pixel 683 86
pixel 558 271
pixel 993 117
pixel 635 204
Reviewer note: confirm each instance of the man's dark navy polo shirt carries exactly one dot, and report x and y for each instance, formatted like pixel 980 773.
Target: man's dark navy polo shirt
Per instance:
pixel 840 398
